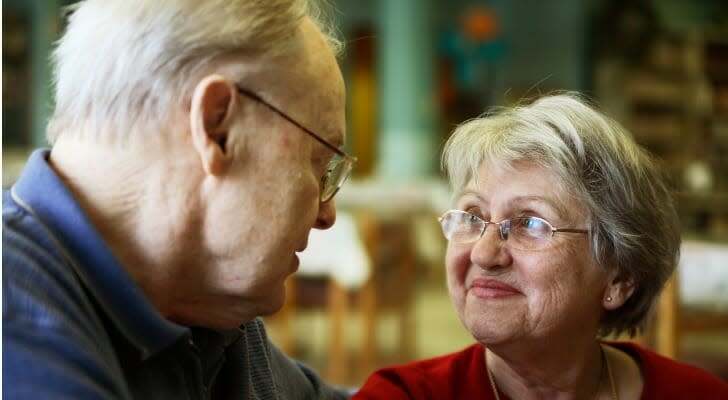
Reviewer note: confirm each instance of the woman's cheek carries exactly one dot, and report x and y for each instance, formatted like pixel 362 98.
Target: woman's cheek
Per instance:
pixel 457 262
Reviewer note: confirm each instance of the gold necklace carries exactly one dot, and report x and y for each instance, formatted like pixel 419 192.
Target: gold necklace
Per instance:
pixel 612 385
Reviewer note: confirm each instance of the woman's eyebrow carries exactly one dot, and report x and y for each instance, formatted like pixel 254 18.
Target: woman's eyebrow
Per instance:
pixel 554 204
pixel 471 194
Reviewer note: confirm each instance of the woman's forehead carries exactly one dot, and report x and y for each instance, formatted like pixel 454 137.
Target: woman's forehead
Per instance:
pixel 521 184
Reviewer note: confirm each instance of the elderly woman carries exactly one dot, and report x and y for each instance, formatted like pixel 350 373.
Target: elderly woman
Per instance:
pixel 563 232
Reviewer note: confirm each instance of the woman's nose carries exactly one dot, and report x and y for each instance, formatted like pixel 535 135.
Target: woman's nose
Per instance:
pixel 490 250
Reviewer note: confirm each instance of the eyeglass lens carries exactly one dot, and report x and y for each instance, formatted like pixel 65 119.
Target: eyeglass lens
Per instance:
pixel 337 172
pixel 525 233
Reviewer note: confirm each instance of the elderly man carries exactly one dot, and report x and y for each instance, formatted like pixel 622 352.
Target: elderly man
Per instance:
pixel 195 144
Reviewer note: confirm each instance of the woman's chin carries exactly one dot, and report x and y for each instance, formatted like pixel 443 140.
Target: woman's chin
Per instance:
pixel 490 329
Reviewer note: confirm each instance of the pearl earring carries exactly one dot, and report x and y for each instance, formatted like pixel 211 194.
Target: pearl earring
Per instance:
pixel 609 298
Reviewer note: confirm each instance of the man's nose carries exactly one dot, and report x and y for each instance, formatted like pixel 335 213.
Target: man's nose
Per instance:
pixel 326 215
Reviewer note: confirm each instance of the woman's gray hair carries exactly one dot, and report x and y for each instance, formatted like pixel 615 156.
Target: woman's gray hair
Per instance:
pixel 125 63
pixel 633 224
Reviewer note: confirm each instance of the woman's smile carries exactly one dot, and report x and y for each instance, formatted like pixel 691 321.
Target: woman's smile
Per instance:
pixel 485 288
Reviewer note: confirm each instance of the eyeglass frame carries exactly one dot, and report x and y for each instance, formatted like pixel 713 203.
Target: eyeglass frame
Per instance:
pixel 350 160
pixel 502 226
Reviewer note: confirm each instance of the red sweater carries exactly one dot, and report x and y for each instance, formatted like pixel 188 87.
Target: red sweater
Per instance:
pixel 463 375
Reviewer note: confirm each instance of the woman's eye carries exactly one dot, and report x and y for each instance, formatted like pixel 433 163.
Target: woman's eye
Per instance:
pixel 532 223
pixel 472 210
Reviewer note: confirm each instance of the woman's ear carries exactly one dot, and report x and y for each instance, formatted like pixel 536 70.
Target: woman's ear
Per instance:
pixel 213 107
pixel 617 292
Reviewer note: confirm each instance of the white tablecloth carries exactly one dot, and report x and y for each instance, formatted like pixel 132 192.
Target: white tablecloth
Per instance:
pixel 703 275
pixel 337 252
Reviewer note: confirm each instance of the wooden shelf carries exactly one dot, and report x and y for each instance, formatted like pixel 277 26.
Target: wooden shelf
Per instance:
pixel 710 202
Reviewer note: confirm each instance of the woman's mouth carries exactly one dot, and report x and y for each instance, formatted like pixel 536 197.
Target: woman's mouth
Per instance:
pixel 491 289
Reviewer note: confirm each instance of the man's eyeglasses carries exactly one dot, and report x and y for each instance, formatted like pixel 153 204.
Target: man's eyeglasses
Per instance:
pixel 522 233
pixel 338 169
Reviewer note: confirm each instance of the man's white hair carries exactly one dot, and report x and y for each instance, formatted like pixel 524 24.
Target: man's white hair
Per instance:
pixel 127 63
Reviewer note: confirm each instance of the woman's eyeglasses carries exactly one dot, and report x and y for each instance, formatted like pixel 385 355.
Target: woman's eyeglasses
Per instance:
pixel 522 233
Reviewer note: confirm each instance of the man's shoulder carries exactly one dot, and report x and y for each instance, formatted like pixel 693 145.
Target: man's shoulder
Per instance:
pixel 53 337
pixel 40 287
pixel 35 271
pixel 12 212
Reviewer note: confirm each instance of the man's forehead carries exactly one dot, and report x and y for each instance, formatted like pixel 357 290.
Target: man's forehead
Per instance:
pixel 305 82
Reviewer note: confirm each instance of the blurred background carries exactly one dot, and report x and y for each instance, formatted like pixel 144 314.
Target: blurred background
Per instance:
pixel 371 290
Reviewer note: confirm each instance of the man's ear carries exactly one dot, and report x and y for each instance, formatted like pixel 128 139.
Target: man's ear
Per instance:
pixel 213 107
pixel 617 292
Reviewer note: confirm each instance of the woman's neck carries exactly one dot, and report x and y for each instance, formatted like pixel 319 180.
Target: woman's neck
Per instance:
pixel 576 371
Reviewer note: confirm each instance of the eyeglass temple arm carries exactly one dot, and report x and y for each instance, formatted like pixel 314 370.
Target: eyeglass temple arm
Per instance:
pixel 569 230
pixel 291 120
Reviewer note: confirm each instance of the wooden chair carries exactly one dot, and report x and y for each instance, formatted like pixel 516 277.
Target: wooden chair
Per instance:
pixel 389 289
pixel 674 319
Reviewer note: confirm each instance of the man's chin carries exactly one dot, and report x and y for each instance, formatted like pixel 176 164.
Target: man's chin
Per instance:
pixel 274 302
pixel 296 263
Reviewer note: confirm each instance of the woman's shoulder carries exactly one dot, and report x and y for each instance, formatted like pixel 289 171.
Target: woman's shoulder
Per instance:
pixel 664 377
pixel 442 377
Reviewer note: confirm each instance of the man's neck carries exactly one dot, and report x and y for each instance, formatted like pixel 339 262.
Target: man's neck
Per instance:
pixel 135 202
